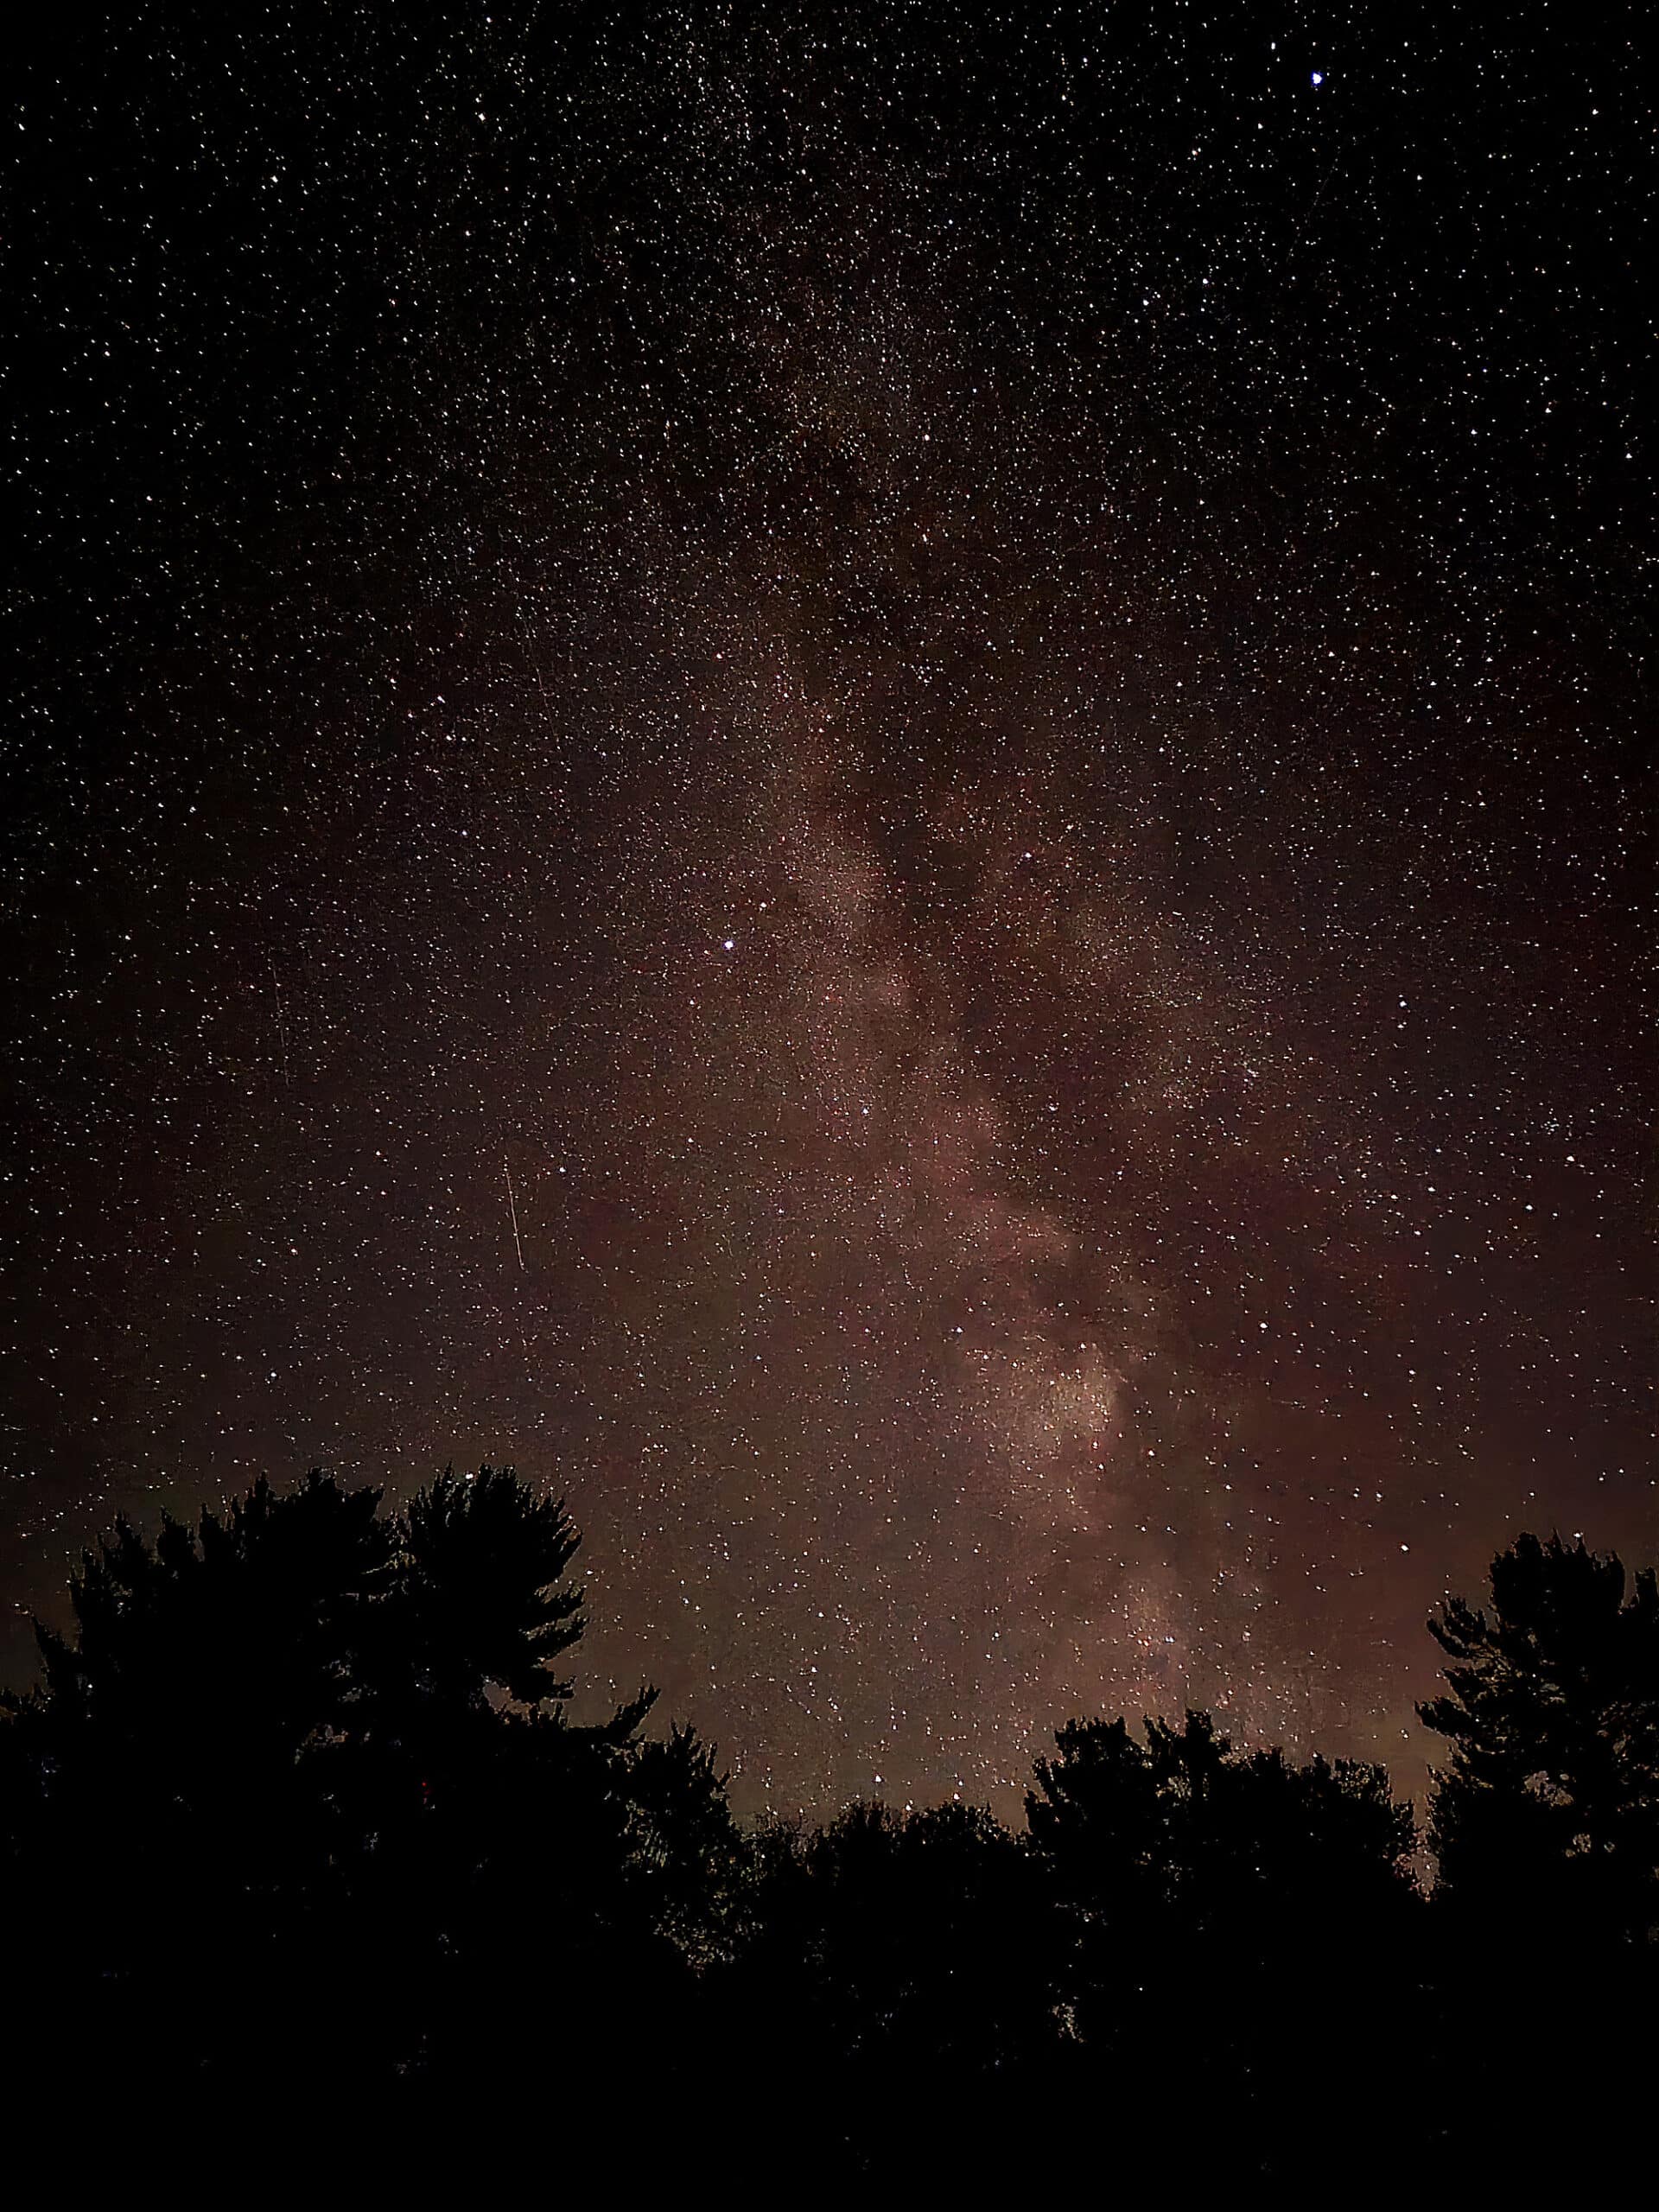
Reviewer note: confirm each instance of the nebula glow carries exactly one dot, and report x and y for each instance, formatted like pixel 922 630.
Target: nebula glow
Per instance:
pixel 874 792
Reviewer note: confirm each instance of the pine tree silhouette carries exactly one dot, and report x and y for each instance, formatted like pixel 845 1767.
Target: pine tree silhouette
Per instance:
pixel 299 1813
pixel 1549 1803
pixel 1256 1916
pixel 298 1801
pixel 1545 1822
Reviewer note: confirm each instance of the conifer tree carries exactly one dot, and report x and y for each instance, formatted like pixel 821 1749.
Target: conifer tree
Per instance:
pixel 1548 1805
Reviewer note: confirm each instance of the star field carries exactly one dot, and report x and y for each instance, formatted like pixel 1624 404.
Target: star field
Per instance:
pixel 870 779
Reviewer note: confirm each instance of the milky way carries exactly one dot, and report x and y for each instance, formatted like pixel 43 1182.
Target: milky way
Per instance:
pixel 875 789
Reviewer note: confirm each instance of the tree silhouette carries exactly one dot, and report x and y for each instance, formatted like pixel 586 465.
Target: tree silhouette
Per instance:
pixel 1180 1823
pixel 170 1819
pixel 300 1806
pixel 1255 1915
pixel 1545 1822
pixel 685 1842
pixel 1549 1803
pixel 299 1781
pixel 907 1954
pixel 477 1603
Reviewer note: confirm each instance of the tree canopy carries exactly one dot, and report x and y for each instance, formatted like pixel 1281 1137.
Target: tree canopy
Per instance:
pixel 1549 1801
pixel 298 1803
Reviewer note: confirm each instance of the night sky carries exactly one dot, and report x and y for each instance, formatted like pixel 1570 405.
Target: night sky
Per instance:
pixel 870 779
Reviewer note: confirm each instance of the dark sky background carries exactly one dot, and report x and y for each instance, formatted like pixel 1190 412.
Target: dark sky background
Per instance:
pixel 871 777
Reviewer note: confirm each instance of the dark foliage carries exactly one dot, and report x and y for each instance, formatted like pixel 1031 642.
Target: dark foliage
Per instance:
pixel 907 1953
pixel 297 1816
pixel 1545 1825
pixel 1549 1804
pixel 1256 1917
pixel 297 1803
pixel 478 1601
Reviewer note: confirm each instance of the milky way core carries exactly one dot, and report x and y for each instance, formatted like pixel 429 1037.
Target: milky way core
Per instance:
pixel 875 790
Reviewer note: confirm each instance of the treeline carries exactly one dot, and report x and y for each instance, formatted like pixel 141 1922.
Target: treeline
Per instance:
pixel 303 1850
